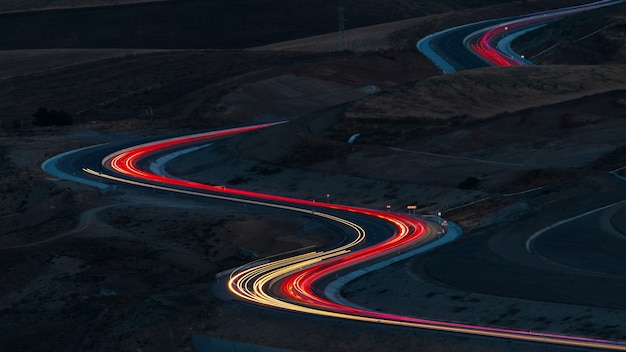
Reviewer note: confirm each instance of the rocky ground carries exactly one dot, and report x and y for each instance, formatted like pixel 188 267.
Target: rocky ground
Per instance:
pixel 135 270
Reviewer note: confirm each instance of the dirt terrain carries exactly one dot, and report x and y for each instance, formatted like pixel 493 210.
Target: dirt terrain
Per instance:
pixel 502 152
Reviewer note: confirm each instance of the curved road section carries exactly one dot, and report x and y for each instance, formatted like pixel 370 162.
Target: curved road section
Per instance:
pixel 487 43
pixel 296 282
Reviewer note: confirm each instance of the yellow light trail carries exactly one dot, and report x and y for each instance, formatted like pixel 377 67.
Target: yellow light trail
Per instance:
pixel 258 281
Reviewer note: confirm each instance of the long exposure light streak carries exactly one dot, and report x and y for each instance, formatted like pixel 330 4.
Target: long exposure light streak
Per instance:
pixel 288 283
pixel 485 46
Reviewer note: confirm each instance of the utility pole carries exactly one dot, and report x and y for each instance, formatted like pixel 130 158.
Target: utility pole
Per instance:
pixel 342 27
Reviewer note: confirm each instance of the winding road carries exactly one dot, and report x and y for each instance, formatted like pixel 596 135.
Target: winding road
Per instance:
pixel 300 281
pixel 293 282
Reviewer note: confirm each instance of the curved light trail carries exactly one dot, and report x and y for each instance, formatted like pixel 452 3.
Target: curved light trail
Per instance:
pixel 476 45
pixel 289 283
pixel 484 42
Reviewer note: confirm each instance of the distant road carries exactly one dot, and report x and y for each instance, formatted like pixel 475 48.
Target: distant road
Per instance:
pixel 447 50
pixel 475 45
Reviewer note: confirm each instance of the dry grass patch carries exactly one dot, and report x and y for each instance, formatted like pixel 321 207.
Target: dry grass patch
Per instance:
pixel 539 178
pixel 469 216
pixel 612 161
pixel 23 62
pixel 484 93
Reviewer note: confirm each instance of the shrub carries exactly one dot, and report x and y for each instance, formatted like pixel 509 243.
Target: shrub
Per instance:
pixel 45 117
pixel 237 180
pixel 469 183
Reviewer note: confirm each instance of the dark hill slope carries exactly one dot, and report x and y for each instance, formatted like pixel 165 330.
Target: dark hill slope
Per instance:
pixel 204 24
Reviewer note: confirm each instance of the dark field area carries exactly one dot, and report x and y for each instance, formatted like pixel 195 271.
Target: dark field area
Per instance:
pixel 195 24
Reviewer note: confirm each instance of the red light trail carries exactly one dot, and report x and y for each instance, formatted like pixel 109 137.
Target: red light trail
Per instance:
pixel 288 283
pixel 485 46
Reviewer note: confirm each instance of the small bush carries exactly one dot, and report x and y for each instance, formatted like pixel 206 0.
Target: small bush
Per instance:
pixel 45 117
pixel 458 309
pixel 469 183
pixel 237 180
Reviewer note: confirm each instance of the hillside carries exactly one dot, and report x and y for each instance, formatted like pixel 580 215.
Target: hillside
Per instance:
pixel 477 95
pixel 501 151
